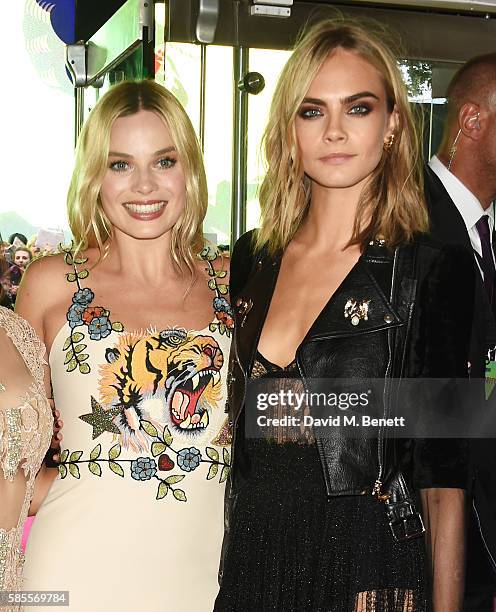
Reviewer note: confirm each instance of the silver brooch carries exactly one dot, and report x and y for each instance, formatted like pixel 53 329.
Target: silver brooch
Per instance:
pixel 356 311
pixel 243 307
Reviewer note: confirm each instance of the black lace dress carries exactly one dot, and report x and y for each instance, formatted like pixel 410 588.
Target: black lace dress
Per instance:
pixel 292 548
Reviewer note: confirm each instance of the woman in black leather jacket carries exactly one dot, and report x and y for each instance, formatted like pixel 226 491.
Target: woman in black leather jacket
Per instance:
pixel 339 283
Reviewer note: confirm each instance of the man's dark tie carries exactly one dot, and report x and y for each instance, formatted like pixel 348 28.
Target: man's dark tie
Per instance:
pixel 487 260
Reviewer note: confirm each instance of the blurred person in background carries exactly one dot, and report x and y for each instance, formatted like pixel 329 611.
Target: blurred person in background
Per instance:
pixel 22 257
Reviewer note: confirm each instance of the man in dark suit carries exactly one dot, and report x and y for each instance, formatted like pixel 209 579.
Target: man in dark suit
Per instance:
pixel 460 190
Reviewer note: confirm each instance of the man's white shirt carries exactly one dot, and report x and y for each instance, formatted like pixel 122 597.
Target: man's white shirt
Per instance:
pixel 467 204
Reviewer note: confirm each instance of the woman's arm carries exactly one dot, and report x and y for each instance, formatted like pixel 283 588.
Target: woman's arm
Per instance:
pixel 444 518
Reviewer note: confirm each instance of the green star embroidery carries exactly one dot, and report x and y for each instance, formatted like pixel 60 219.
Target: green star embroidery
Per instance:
pixel 101 419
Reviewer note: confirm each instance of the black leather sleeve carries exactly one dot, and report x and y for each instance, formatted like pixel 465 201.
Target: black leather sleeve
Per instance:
pixel 440 349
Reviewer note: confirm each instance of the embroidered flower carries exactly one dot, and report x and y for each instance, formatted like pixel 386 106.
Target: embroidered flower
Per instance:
pixel 91 312
pixel 188 459
pixel 100 327
pixel 223 311
pixel 83 296
pixel 143 468
pixel 75 315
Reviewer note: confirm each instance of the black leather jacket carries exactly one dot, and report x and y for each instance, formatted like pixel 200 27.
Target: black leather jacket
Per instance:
pixel 418 326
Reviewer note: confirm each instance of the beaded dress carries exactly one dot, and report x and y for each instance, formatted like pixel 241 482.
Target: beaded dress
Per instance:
pixel 25 433
pixel 134 522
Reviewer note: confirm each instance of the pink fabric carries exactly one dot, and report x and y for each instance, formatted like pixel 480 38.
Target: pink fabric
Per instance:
pixel 27 527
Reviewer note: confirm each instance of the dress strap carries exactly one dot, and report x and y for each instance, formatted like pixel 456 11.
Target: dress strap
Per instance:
pixel 26 341
pixel 224 315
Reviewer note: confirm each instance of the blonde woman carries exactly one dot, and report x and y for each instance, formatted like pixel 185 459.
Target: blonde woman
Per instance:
pixel 137 326
pixel 338 284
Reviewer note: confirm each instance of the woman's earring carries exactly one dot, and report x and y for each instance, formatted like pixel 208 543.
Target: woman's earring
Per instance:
pixel 389 143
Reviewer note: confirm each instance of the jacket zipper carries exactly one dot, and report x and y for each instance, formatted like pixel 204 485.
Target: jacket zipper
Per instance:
pixel 479 525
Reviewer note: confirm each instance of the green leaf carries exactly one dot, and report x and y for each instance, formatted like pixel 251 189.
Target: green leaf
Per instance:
pixel 64 455
pixel 72 366
pixel 82 357
pixel 68 357
pixel 223 289
pixel 222 328
pixel 95 453
pixel 115 451
pixel 222 274
pixel 67 344
pixel 75 456
pixel 77 337
pixel 211 271
pixel 71 277
pixel 212 284
pixel 83 274
pixel 68 259
pixel 84 368
pixel 213 326
pixel 95 468
pixel 62 471
pixel 162 490
pixel 79 261
pixel 212 472
pixel 225 455
pixel 116 468
pixel 167 436
pixel 212 453
pixel 80 347
pixel 74 470
pixel 118 327
pixel 174 479
pixel 225 473
pixel 150 429
pixel 180 495
pixel 158 448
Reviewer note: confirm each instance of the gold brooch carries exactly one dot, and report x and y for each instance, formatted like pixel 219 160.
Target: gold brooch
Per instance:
pixel 356 311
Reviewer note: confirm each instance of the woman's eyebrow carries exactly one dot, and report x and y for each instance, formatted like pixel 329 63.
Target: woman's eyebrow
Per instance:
pixel 347 100
pixel 127 156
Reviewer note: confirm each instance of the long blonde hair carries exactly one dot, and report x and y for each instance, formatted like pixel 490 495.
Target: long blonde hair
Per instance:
pixel 393 198
pixel 88 222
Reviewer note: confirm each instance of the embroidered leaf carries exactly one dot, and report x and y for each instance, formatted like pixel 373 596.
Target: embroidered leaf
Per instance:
pixel 167 436
pixel 118 327
pixel 67 344
pixel 68 259
pixel 211 271
pixel 115 451
pixel 75 455
pixel 222 274
pixel 223 289
pixel 225 473
pixel 222 328
pixel 68 357
pixel 95 453
pixel 225 455
pixel 150 429
pixel 95 468
pixel 84 368
pixel 116 468
pixel 212 327
pixel 77 337
pixel 83 274
pixel 80 347
pixel 72 365
pixel 212 472
pixel 180 495
pixel 74 470
pixel 158 448
pixel 212 284
pixel 174 479
pixel 71 277
pixel 62 471
pixel 64 455
pixel 212 453
pixel 162 490
pixel 82 357
pixel 80 261
pixel 106 313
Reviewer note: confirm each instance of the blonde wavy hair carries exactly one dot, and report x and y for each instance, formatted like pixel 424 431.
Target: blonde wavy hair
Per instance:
pixel 88 222
pixel 393 198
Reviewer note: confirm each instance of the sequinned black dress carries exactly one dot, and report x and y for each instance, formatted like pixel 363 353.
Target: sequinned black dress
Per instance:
pixel 294 549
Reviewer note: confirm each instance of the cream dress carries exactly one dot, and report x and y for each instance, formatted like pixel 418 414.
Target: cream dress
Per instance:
pixel 134 523
pixel 25 433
